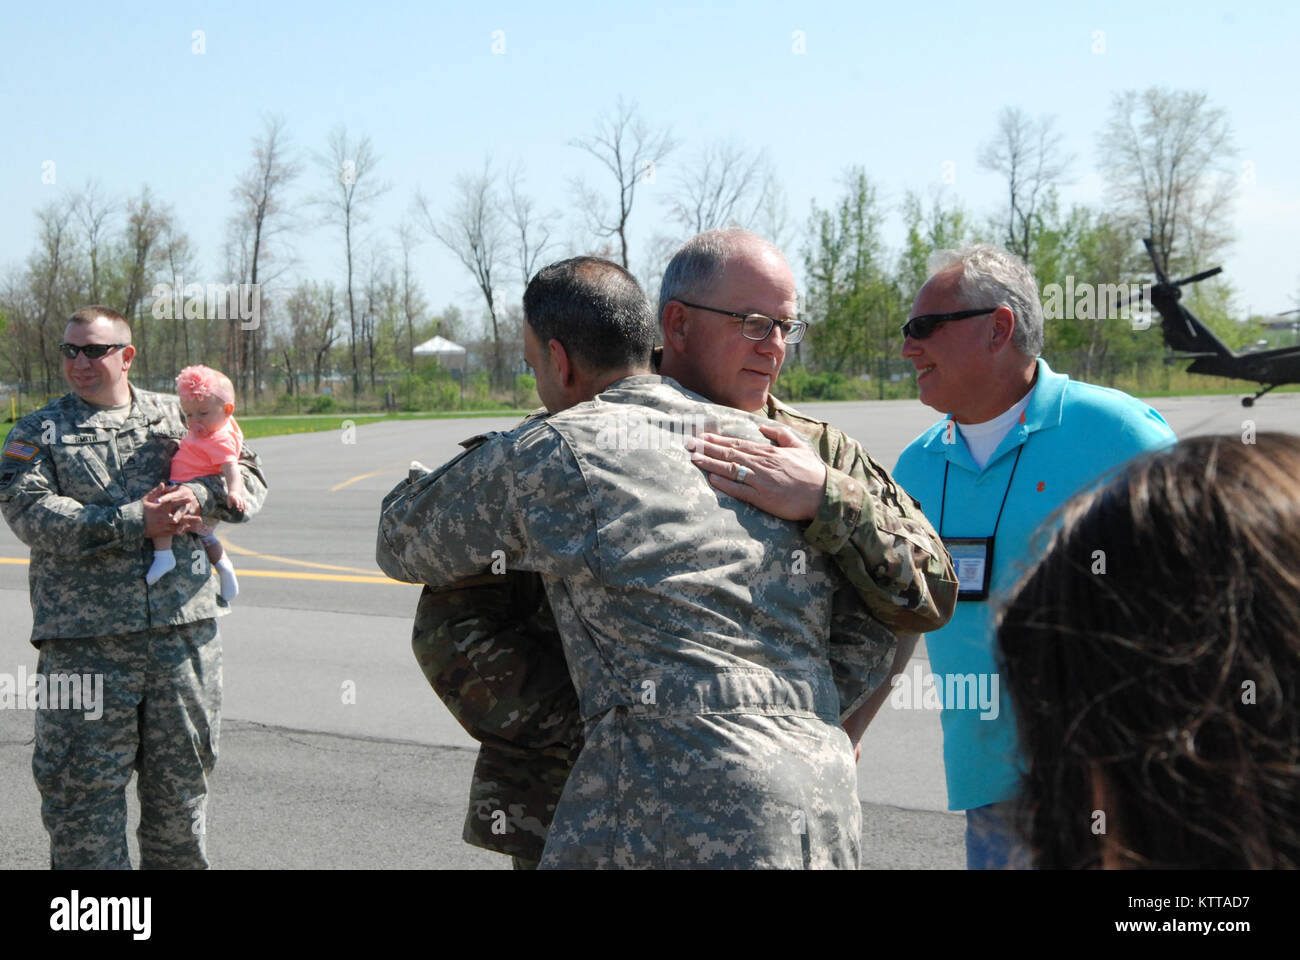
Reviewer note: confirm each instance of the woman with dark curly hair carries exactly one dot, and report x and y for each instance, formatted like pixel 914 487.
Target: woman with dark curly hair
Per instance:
pixel 1153 661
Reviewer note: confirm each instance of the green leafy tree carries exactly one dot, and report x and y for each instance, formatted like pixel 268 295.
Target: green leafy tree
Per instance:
pixel 852 302
pixel 938 228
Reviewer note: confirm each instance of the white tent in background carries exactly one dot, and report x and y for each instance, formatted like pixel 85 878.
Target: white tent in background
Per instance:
pixel 449 355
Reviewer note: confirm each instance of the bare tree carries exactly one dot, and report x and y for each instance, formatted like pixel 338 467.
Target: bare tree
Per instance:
pixel 532 231
pixel 1029 154
pixel 773 218
pixel 349 167
pixel 1166 153
pixel 146 221
pixel 20 311
pixel 323 332
pixel 720 187
pixel 632 153
pixel 177 258
pixel 655 256
pixel 413 303
pixel 449 323
pixel 473 230
pixel 724 185
pixel 380 299
pixel 93 211
pixel 313 330
pixel 48 267
pixel 260 203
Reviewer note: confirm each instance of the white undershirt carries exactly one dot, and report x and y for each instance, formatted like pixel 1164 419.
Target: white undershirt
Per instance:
pixel 983 438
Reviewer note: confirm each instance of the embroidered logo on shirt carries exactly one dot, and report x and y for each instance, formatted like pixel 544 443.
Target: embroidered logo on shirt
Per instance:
pixel 1042 485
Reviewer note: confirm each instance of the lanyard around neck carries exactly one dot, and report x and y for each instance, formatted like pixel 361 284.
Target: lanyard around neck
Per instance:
pixel 943 497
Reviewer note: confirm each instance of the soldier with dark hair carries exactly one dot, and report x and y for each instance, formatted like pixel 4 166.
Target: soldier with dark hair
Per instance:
pixel 710 713
pixel 489 647
pixel 79 484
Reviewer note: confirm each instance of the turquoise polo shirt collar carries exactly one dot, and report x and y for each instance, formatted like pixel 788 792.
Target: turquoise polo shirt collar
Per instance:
pixel 1046 401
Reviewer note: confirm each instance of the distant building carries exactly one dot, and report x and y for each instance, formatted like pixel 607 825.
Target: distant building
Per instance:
pixel 450 356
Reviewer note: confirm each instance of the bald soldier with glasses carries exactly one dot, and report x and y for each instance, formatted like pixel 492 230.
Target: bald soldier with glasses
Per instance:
pixel 489 646
pixel 755 326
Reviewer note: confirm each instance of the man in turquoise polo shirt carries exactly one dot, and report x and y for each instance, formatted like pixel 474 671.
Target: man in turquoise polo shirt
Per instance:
pixel 1018 441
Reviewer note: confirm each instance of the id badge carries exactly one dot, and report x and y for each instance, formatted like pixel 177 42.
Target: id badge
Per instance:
pixel 972 558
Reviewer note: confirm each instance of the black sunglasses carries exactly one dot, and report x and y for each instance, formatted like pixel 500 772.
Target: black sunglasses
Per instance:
pixel 93 351
pixel 918 328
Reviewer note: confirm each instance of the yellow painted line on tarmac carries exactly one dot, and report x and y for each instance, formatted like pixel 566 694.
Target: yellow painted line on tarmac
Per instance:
pixel 330 577
pixel 285 575
pixel 245 552
pixel 361 476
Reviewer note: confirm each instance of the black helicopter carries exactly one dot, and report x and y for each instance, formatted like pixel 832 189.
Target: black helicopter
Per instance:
pixel 1192 340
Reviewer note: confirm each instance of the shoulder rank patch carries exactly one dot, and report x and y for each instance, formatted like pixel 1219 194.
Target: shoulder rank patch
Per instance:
pixel 20 450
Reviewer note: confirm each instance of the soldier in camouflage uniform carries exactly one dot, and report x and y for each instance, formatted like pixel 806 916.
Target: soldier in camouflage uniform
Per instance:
pixel 749 710
pixel 491 649
pixel 480 645
pixel 79 484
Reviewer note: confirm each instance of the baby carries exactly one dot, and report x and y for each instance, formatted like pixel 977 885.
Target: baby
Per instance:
pixel 211 446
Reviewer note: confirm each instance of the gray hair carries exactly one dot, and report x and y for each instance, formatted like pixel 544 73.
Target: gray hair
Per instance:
pixel 993 276
pixel 699 262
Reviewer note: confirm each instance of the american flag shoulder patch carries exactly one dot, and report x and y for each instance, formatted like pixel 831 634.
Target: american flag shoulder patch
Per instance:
pixel 20 450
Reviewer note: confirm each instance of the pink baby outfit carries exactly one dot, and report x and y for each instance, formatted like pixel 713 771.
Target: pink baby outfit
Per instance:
pixel 201 455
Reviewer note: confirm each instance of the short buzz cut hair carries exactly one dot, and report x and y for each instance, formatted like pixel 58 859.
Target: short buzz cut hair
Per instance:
pixel 992 276
pixel 596 309
pixel 699 262
pixel 88 315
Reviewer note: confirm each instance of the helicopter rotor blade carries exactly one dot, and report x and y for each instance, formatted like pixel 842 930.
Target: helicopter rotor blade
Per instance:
pixel 1198 277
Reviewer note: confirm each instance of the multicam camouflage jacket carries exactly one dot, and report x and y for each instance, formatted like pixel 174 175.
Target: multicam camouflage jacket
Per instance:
pixel 70 487
pixel 876 531
pixel 483 643
pixel 675 603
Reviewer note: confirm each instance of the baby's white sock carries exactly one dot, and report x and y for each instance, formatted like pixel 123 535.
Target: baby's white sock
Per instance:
pixel 229 585
pixel 163 564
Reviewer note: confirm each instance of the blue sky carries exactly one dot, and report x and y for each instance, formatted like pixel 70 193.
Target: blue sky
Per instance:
pixel 115 94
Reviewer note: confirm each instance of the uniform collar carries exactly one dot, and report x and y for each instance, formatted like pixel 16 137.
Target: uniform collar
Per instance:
pixel 144 409
pixel 773 406
pixel 627 389
pixel 1046 401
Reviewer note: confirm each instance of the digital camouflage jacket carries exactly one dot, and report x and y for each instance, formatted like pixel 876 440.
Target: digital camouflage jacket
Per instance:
pixel 70 486
pixel 488 647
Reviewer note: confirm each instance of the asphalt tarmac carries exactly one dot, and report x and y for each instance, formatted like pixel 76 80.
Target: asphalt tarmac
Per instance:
pixel 335 753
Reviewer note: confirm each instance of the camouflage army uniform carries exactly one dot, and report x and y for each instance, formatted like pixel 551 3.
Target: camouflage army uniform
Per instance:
pixel 704 746
pixel 490 648
pixel 71 477
pixel 480 645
